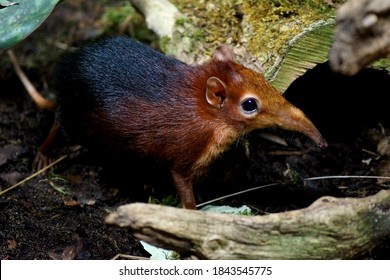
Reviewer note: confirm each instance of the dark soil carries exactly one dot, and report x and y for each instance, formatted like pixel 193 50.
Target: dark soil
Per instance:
pixel 60 215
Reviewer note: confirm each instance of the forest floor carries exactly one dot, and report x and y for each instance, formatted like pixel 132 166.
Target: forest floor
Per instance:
pixel 60 215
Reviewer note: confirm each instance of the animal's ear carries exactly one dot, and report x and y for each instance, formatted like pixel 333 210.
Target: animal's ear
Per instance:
pixel 215 92
pixel 223 53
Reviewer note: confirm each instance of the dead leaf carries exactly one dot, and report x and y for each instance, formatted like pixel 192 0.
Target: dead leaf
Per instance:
pixel 383 169
pixel 12 177
pixel 72 201
pixel 9 152
pixel 70 252
pixel 11 244
pixel 383 147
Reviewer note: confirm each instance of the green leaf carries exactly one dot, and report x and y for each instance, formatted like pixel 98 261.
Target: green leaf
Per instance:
pixel 18 19
pixel 5 4
pixel 305 51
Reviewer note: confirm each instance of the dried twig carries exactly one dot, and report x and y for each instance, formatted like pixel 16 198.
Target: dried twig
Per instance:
pixel 41 102
pixel 129 257
pixel 34 175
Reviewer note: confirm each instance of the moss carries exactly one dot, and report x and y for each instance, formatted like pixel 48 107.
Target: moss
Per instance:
pixel 262 26
pixel 169 200
pixel 273 23
pixel 212 22
pixel 124 19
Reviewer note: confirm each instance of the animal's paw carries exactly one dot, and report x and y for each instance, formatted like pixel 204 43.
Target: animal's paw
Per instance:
pixel 41 161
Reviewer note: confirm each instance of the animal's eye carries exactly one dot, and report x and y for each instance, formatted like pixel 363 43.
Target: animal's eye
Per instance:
pixel 249 106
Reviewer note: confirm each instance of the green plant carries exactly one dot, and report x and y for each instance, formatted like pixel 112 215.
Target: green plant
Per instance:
pixel 18 19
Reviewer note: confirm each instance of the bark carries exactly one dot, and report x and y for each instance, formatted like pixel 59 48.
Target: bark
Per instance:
pixel 362 35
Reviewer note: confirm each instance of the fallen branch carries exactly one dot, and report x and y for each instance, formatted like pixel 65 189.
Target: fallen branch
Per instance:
pixel 362 35
pixel 330 228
